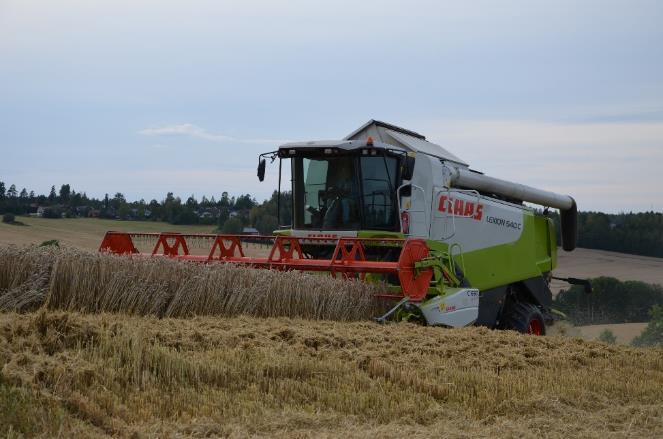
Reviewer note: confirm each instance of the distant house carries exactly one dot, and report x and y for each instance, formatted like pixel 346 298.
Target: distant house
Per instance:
pixel 49 211
pixel 55 211
pixel 250 231
pixel 94 213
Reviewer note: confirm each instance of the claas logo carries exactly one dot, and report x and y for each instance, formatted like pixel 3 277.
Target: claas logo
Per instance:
pixel 460 207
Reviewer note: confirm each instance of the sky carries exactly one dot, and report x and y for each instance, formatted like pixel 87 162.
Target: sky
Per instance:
pixel 147 97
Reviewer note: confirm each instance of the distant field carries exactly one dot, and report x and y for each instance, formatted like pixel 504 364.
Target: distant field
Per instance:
pixel 84 233
pixel 624 332
pixel 584 263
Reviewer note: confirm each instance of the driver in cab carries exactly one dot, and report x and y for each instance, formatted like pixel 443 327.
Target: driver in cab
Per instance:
pixel 342 211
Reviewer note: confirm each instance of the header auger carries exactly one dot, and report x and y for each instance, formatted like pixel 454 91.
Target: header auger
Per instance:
pixel 457 247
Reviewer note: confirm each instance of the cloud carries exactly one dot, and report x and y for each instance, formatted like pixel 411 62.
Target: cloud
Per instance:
pixel 621 114
pixel 191 130
pixel 185 129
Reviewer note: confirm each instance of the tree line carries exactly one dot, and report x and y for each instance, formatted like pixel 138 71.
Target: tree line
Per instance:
pixel 231 214
pixel 612 301
pixel 635 233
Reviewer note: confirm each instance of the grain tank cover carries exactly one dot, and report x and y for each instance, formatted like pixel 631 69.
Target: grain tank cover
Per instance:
pixel 409 140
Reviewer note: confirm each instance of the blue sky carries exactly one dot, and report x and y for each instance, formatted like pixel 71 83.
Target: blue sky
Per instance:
pixel 145 97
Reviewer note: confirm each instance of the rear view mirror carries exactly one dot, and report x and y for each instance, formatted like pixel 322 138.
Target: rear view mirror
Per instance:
pixel 408 168
pixel 261 169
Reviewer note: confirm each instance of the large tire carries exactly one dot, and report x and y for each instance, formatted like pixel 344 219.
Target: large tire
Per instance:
pixel 524 318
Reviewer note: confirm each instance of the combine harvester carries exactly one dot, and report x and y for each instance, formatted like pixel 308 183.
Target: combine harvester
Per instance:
pixel 455 246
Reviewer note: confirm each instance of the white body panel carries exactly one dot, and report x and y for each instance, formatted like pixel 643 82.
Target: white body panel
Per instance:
pixel 474 222
pixel 457 309
pixel 428 172
pixel 456 216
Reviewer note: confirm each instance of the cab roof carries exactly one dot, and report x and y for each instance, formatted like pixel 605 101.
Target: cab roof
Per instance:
pixel 385 136
pixel 346 145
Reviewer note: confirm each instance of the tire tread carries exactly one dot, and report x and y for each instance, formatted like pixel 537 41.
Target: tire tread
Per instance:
pixel 519 314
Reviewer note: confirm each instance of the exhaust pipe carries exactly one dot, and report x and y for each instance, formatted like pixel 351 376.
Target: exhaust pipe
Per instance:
pixel 569 220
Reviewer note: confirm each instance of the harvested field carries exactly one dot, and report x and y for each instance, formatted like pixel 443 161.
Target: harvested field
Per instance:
pixel 110 375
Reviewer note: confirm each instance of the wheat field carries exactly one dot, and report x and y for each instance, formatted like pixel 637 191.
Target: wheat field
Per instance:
pixel 77 280
pixel 100 375
pixel 162 349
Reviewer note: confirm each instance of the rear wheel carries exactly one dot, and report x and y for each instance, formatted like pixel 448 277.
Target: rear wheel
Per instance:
pixel 525 318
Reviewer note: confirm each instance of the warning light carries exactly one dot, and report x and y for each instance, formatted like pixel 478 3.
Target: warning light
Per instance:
pixel 369 141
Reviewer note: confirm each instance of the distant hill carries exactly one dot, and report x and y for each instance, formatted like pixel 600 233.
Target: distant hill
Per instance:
pixel 586 263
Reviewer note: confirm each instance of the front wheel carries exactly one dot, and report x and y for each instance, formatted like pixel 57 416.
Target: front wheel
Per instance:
pixel 525 318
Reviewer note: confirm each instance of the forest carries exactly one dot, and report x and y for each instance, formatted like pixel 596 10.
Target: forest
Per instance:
pixel 611 301
pixel 231 214
pixel 636 233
